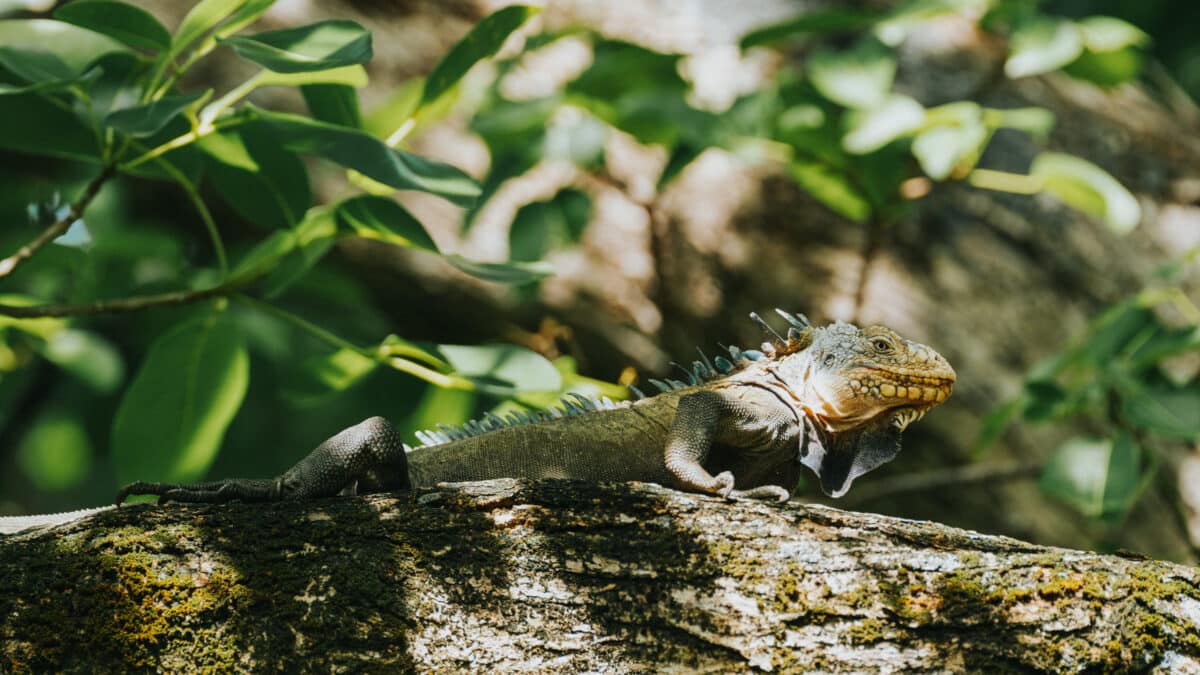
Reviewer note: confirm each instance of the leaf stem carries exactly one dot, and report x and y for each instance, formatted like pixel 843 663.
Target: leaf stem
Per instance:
pixel 209 224
pixel 394 362
pixel 58 227
pixel 1003 181
pixel 136 303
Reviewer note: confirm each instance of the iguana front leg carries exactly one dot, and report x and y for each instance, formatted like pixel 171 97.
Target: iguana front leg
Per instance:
pixel 369 455
pixel 699 420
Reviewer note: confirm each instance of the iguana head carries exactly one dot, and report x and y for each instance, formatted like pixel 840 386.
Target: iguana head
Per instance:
pixel 858 388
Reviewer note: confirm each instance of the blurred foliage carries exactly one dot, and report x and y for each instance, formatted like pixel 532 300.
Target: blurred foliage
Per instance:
pixel 245 343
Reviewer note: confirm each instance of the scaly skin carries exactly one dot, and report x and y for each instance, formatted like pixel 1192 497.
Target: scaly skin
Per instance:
pixel 834 399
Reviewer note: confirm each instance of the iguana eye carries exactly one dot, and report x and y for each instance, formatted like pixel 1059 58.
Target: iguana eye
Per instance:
pixel 881 345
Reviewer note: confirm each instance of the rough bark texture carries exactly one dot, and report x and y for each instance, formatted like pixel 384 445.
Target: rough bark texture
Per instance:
pixel 571 577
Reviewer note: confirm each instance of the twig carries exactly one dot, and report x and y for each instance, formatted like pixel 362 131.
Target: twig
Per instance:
pixel 58 227
pixel 954 476
pixel 133 304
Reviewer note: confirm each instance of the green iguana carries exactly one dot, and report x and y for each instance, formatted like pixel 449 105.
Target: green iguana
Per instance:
pixel 834 399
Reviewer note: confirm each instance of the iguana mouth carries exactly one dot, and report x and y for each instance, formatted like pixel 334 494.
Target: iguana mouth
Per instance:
pixel 906 416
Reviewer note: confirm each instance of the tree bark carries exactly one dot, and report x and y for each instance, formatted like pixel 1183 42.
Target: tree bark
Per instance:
pixel 567 576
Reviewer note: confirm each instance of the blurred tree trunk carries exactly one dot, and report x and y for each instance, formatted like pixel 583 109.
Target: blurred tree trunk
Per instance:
pixel 573 577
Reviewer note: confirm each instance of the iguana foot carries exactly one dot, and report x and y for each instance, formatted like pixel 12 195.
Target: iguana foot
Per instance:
pixel 763 492
pixel 214 492
pixel 722 485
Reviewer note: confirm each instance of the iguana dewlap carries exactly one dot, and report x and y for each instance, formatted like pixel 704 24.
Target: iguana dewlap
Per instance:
pixel 834 399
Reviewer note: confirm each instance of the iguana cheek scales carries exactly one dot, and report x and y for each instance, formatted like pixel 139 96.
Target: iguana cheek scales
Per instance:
pixel 834 399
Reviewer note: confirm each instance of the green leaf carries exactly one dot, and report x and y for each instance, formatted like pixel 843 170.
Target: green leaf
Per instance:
pixel 317 46
pixel 1099 477
pixel 622 69
pixel 313 237
pixel 1085 186
pixel 483 41
pixel 1167 410
pixel 350 76
pixel 77 47
pixel 502 370
pixel 543 226
pixel 1037 122
pixel 942 149
pixel 1113 331
pixel 383 219
pixel 333 103
pixel 1165 343
pixel 870 130
pixel 260 180
pixel 515 273
pixel 56 453
pixel 831 188
pixel 325 376
pixel 172 418
pixel 87 356
pixel 1107 69
pixel 205 16
pixel 397 108
pixel 1109 34
pixel 264 257
pixel 820 22
pixel 1042 45
pixel 859 77
pixel 39 68
pixel 34 125
pixel 996 421
pixel 147 119
pixel 130 25
pixel 368 155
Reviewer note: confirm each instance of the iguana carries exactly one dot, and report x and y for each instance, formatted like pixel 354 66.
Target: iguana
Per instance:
pixel 833 398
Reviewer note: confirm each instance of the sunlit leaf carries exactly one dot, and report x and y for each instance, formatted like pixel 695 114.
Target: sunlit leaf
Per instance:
pixel 1107 69
pixel 313 236
pixel 87 356
pixel 76 47
pixel 859 77
pixel 264 257
pixel 203 17
pixel 1042 45
pixel 870 130
pixel 483 41
pixel 1037 122
pixel 126 23
pixel 322 377
pixel 832 189
pixel 1099 477
pixel 350 76
pixel 1108 34
pixel 515 273
pixel 1085 186
pixel 941 149
pixel 147 119
pixel 260 180
pixel 317 46
pixel 174 414
pixel 55 454
pixel 502 370
pixel 362 152
pixel 383 219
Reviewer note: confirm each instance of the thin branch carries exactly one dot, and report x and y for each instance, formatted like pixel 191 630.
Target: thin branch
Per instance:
pixel 58 227
pixel 938 479
pixel 133 304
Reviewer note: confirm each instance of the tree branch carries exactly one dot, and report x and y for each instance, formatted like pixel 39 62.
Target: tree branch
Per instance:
pixel 574 577
pixel 133 304
pixel 58 227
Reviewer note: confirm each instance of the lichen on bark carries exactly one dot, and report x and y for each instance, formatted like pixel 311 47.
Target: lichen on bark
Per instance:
pixel 573 577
